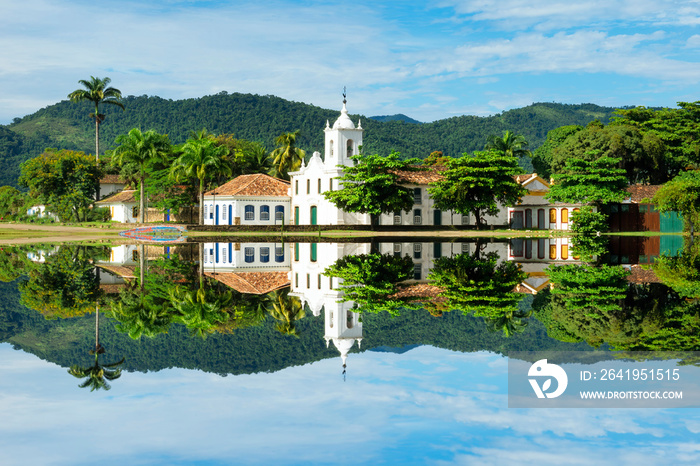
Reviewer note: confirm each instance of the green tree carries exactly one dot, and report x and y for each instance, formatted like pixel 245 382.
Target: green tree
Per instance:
pixel 63 180
pixel 65 285
pixel 97 91
pixel 98 375
pixel 201 159
pixel 480 285
pixel 682 194
pixel 510 144
pixel 671 135
pixel 542 157
pixel 141 149
pixel 371 186
pixel 287 310
pixel 586 225
pixel 11 202
pixel 585 181
pixel 477 184
pixel 682 272
pixel 287 156
pixel 370 280
pixel 641 160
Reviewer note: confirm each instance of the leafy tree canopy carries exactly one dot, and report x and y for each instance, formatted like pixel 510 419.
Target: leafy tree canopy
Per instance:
pixel 371 185
pixel 64 180
pixel 481 285
pixel 674 132
pixel 589 180
pixel 477 183
pixel 370 279
pixel 682 194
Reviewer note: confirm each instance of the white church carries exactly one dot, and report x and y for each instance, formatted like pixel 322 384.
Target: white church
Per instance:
pixel 304 203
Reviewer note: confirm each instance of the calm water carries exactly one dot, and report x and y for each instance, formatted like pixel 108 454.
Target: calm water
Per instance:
pixel 259 357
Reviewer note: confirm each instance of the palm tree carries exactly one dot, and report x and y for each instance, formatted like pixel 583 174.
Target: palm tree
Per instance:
pixel 96 91
pixel 509 145
pixel 287 310
pixel 141 148
pixel 258 160
pixel 202 311
pixel 201 158
pixel 97 375
pixel 287 157
pixel 511 321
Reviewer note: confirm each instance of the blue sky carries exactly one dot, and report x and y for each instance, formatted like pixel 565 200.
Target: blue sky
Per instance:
pixel 426 406
pixel 428 59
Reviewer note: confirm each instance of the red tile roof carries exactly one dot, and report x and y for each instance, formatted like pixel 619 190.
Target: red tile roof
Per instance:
pixel 128 195
pixel 426 175
pixel 252 282
pixel 639 192
pixel 258 184
pixel 112 179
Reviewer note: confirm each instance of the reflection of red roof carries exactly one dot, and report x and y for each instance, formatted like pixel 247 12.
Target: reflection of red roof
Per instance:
pixel 418 291
pixel 641 275
pixel 258 184
pixel 639 192
pixel 124 271
pixel 252 282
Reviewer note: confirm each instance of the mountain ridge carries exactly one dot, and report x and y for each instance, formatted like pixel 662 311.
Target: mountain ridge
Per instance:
pixel 66 125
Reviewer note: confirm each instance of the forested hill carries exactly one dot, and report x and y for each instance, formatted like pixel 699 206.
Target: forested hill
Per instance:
pixel 255 349
pixel 66 125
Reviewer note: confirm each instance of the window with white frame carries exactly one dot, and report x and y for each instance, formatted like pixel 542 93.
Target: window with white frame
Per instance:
pixel 279 254
pixel 250 255
pixel 417 250
pixel 223 213
pixel 279 213
pixel 417 217
pixel 265 254
pixel 465 219
pixel 265 212
pixel 249 212
pixel 397 247
pixel 397 218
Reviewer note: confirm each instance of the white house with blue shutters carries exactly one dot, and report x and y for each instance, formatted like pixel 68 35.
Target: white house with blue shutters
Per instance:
pixel 256 199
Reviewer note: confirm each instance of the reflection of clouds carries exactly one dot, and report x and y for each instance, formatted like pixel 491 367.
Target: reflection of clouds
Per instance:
pixel 425 404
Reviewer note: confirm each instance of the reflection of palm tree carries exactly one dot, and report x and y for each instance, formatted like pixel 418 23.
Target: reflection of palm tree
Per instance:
pixel 97 375
pixel 202 311
pixel 137 318
pixel 510 321
pixel 287 309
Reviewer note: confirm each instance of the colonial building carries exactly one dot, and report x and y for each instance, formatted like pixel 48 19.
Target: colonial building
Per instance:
pixel 257 199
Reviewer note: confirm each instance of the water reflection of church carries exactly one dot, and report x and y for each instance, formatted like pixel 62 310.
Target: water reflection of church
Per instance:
pixel 259 268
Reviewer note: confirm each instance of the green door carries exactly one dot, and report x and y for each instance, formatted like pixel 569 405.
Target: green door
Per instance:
pixel 296 216
pixel 437 217
pixel 314 211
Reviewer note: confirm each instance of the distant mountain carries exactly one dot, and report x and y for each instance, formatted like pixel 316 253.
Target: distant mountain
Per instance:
pixel 66 125
pixel 397 117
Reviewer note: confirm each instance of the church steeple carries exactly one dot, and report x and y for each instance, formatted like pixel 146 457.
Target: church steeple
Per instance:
pixel 343 140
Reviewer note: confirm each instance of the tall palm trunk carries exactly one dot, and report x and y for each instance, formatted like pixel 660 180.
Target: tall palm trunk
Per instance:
pixel 142 203
pixel 201 201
